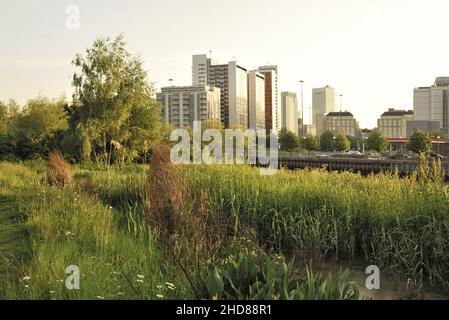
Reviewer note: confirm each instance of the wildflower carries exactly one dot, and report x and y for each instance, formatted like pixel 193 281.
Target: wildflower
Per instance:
pixel 100 297
pixel 160 296
pixel 27 286
pixel 159 286
pixel 140 276
pixel 26 278
pixel 170 286
pixel 51 292
pixel 140 280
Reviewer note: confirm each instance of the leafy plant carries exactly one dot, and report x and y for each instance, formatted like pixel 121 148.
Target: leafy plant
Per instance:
pixel 248 276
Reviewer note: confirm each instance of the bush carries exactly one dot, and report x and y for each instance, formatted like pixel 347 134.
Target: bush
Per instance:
pixel 59 172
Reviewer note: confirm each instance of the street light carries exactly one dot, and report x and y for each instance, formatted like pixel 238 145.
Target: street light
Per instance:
pixel 302 108
pixel 438 144
pixel 341 103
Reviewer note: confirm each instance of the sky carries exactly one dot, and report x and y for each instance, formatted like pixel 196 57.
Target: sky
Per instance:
pixel 373 52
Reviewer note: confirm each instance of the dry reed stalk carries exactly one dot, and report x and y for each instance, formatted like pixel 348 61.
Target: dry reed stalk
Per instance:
pixel 59 172
pixel 166 193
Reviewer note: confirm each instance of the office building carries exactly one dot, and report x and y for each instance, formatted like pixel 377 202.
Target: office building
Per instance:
pixel 272 97
pixel 341 123
pixel 183 105
pixel 393 123
pixel 431 103
pixel 289 111
pixel 425 126
pixel 232 79
pixel 256 100
pixel 324 100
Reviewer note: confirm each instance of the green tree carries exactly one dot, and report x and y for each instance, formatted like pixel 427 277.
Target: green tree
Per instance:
pixel 3 117
pixel 342 143
pixel 310 143
pixel 376 141
pixel 327 141
pixel 41 117
pixel 420 142
pixel 354 142
pixel 288 141
pixel 113 115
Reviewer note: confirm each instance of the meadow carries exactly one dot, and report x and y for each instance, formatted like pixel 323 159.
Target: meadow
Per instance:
pixel 238 235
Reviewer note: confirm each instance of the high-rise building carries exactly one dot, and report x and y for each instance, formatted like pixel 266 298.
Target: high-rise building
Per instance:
pixel 324 100
pixel 393 123
pixel 272 97
pixel 289 111
pixel 341 123
pixel 432 103
pixel 183 105
pixel 423 125
pixel 232 79
pixel 256 100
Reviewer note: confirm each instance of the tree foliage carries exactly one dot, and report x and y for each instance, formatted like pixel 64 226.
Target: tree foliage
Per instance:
pixel 310 143
pixel 342 143
pixel 114 115
pixel 420 142
pixel 26 133
pixel 327 141
pixel 376 141
pixel 288 141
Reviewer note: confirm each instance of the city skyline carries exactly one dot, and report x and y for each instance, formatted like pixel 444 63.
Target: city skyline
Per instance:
pixel 361 49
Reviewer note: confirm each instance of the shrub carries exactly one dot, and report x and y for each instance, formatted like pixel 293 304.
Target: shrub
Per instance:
pixel 59 172
pixel 166 193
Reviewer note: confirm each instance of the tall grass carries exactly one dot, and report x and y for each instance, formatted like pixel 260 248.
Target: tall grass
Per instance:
pixel 66 227
pixel 401 225
pixel 98 223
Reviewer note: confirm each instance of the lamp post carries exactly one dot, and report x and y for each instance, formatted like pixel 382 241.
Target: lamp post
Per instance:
pixel 302 107
pixel 341 103
pixel 438 144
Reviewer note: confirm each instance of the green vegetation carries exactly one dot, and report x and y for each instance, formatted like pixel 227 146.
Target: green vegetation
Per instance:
pixel 327 141
pixel 420 142
pixel 117 260
pixel 401 225
pixel 288 140
pixel 376 141
pixel 341 143
pixel 310 143
pixel 98 223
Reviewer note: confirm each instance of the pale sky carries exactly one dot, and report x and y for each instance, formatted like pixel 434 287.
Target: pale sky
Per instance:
pixel 374 52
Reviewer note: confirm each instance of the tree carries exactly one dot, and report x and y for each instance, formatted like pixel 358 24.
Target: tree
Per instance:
pixel 41 117
pixel 327 141
pixel 376 141
pixel 288 140
pixel 342 143
pixel 3 117
pixel 310 143
pixel 354 142
pixel 420 142
pixel 113 115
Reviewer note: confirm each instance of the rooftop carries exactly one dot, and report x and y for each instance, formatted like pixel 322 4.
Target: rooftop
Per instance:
pixel 393 112
pixel 340 114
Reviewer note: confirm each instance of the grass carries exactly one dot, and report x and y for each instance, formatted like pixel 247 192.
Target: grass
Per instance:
pixel 401 225
pixel 98 224
pixel 69 228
